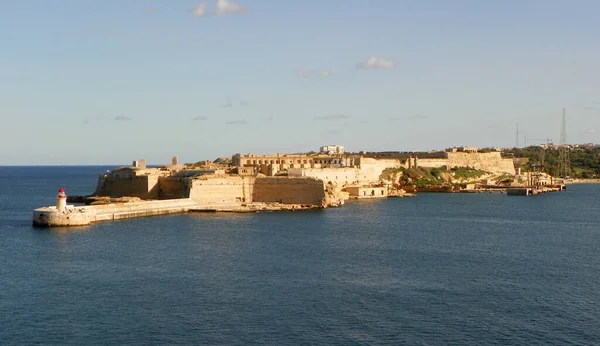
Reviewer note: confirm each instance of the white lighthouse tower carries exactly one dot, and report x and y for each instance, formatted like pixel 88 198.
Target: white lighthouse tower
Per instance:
pixel 61 201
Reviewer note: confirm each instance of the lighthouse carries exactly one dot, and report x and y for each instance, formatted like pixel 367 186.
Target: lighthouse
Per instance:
pixel 61 201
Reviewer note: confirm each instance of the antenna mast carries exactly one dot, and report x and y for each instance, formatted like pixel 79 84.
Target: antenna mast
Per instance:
pixel 564 168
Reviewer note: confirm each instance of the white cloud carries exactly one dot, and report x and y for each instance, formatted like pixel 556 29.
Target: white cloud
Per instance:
pixel 375 63
pixel 200 10
pixel 229 7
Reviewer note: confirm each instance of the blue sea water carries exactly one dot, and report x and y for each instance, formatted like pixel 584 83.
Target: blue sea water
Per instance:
pixel 438 269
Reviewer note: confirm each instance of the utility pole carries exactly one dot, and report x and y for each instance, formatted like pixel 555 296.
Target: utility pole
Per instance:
pixel 517 146
pixel 543 146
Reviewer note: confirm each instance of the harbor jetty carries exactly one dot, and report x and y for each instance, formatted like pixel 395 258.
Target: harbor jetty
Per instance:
pixel 534 190
pixel 62 214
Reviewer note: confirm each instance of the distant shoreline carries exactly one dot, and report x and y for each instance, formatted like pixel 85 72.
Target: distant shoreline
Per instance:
pixel 585 181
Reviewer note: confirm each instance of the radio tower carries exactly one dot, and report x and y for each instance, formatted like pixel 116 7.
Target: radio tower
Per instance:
pixel 564 165
pixel 517 146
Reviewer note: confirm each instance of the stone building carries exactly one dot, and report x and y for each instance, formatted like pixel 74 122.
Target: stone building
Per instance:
pixel 360 192
pixel 332 149
pixel 272 165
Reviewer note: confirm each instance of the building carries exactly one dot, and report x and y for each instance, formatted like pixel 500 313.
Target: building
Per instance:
pixel 271 165
pixel 332 149
pixel 360 192
pixel 463 150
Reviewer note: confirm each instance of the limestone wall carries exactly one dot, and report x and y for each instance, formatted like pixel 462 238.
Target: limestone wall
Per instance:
pixel 371 169
pixel 368 171
pixel 491 162
pixel 144 187
pixel 221 189
pixel 173 187
pixel 337 176
pixel 289 190
pixel 431 163
pixel 367 192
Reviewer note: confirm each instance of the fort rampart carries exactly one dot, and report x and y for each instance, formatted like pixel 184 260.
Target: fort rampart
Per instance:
pixel 489 162
pixel 289 190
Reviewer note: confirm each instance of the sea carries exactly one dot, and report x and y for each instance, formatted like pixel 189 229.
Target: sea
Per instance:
pixel 436 269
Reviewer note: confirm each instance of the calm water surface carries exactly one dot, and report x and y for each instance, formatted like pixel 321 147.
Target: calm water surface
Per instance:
pixel 432 270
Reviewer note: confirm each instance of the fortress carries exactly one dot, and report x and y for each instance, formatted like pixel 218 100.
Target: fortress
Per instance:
pixel 457 157
pixel 253 182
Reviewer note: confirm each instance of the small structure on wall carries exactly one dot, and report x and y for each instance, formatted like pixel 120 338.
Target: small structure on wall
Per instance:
pixel 332 149
pixel 360 192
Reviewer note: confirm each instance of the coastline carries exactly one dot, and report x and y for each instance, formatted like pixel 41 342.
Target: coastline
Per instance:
pixel 584 181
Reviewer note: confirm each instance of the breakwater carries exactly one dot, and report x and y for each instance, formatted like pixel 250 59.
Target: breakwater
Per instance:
pixel 72 215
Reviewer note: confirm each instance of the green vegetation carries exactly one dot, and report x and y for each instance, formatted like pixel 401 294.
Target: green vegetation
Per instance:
pixel 585 161
pixel 420 177
pixel 467 173
pixel 223 160
pixel 431 177
pixel 388 173
pixel 504 179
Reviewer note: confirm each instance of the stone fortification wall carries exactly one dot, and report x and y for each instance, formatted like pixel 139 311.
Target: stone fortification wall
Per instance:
pixel 371 169
pixel 144 187
pixel 490 162
pixel 368 171
pixel 174 187
pixel 337 176
pixel 221 189
pixel 430 163
pixel 289 190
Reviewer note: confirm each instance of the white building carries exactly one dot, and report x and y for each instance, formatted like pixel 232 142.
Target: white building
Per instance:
pixel 332 149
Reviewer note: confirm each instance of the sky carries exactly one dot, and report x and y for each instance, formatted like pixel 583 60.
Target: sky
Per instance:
pixel 107 82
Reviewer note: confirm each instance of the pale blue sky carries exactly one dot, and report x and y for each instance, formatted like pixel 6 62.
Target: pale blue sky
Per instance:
pixel 457 72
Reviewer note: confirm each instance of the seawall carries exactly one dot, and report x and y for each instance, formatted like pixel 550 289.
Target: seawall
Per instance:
pixel 86 215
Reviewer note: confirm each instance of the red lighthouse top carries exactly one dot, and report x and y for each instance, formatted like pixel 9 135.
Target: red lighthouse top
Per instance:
pixel 61 190
pixel 61 193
